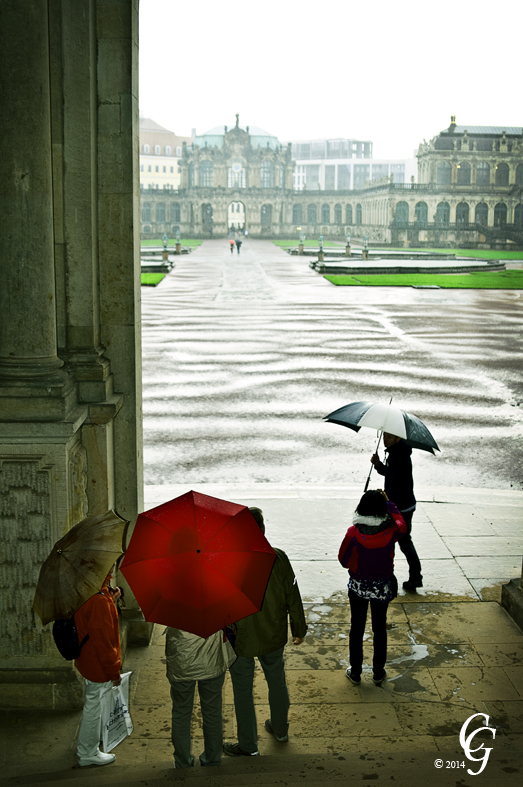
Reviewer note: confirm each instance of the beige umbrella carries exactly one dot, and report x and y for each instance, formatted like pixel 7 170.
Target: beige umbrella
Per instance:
pixel 77 565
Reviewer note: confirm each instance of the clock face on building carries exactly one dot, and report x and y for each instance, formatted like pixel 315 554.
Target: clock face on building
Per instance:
pixel 236 167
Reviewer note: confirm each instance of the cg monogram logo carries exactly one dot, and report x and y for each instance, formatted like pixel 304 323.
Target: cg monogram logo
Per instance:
pixel 465 742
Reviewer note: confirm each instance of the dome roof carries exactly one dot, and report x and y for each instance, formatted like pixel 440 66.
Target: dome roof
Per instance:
pixel 258 137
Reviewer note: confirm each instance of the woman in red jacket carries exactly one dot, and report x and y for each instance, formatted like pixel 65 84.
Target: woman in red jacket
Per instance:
pixel 99 662
pixel 368 552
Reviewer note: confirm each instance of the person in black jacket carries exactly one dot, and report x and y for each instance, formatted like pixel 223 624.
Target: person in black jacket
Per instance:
pixel 399 486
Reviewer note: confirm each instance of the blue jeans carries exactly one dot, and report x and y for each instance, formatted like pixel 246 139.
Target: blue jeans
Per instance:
pixel 242 674
pixel 182 695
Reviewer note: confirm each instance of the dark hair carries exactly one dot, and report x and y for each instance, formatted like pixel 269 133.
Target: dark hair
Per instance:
pixel 372 504
pixel 258 516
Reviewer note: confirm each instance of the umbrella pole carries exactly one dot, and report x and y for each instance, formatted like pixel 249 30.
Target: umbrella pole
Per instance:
pixel 376 451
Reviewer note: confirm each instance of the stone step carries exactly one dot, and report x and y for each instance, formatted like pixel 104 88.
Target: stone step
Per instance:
pixel 403 770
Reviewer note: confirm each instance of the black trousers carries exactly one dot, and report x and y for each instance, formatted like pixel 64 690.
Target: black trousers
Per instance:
pixel 409 550
pixel 358 617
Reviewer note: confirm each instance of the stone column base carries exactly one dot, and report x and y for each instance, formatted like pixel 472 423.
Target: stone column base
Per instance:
pixel 59 688
pixel 512 600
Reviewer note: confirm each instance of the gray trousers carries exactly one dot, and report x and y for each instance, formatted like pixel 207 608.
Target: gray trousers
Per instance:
pixel 242 674
pixel 182 695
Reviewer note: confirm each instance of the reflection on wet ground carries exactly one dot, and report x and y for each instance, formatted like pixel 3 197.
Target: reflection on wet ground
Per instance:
pixel 244 355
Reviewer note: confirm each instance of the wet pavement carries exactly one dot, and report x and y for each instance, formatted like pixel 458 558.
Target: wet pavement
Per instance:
pixel 244 355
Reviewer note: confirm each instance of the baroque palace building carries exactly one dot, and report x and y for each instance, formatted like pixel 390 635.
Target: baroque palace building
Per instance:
pixel 468 192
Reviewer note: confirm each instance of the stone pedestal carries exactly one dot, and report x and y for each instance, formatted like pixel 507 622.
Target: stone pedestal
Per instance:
pixel 165 255
pixel 321 256
pixel 178 248
pixel 300 249
pixel 347 250
pixel 365 254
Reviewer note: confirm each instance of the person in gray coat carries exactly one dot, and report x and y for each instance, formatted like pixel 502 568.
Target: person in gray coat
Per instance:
pixel 190 660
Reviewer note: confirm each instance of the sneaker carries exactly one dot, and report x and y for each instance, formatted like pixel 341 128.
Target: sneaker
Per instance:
pixel 268 727
pixel 233 750
pixel 353 677
pixel 378 681
pixel 99 759
pixel 412 584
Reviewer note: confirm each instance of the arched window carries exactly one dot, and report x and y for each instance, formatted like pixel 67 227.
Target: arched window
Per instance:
pixel 146 148
pixel 175 211
pixel 178 151
pixel 325 214
pixel 206 173
pixel 266 215
pixel 207 214
pixel 519 175
pixel 311 214
pixel 282 177
pixel 462 213
pixel 518 216
pixel 236 175
pixel 146 212
pixel 482 174
pixel 443 213
pixel 297 214
pixel 421 212
pixel 444 173
pixel 348 214
pixel 500 214
pixel 502 171
pixel 481 214
pixel 402 213
pixel 147 228
pixel 175 228
pixel 359 214
pixel 191 175
pixel 267 175
pixel 464 174
pixel 156 149
pixel 338 214
pixel 160 212
pixel 167 150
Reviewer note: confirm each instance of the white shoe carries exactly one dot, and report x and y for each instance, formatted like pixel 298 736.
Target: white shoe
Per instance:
pixel 99 759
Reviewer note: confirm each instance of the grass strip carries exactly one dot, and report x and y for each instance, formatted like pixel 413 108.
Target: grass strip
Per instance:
pixel 488 280
pixel 152 279
pixel 171 242
pixel 311 243
pixel 485 254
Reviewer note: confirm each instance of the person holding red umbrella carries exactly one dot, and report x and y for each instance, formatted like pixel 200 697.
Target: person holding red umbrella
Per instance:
pixel 192 659
pixel 264 635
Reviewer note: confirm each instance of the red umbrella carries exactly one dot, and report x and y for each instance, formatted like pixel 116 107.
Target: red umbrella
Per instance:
pixel 198 563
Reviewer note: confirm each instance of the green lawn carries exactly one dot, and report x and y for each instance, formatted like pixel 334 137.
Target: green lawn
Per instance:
pixel 171 242
pixel 152 279
pixel 310 243
pixel 484 254
pixel 490 280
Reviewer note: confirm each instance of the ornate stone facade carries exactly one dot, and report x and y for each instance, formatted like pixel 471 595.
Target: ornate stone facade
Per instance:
pixel 469 193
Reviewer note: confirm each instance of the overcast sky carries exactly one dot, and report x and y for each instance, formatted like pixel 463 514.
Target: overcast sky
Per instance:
pixel 391 72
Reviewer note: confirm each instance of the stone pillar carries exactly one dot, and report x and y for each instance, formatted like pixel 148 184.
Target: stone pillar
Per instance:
pixel 27 320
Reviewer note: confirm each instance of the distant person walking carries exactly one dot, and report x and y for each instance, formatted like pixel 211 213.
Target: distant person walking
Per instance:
pixel 399 486
pixel 238 244
pixel 231 244
pixel 264 635
pixel 368 552
pixel 190 660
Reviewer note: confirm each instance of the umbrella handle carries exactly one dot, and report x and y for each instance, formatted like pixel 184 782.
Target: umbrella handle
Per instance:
pixel 376 451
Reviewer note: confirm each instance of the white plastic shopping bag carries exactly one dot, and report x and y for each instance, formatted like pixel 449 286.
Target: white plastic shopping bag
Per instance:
pixel 116 720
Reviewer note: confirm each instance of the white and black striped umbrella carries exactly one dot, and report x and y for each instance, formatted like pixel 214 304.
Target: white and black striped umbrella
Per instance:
pixel 385 418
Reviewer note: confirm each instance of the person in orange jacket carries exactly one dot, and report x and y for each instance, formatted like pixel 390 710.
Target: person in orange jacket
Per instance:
pixel 99 662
